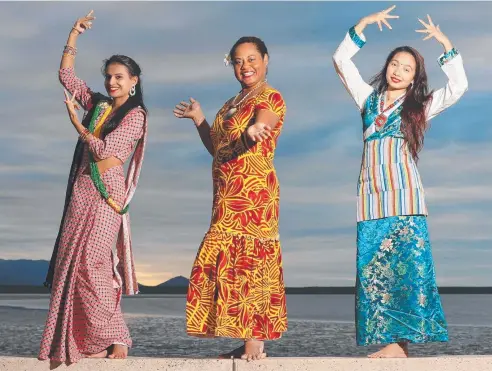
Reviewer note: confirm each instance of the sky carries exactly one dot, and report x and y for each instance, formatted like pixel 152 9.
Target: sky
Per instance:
pixel 180 47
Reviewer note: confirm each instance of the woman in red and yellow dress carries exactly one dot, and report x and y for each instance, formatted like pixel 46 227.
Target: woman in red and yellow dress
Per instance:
pixel 236 286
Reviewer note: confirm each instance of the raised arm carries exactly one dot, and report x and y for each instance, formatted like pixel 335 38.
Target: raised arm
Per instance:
pixel 67 73
pixel 354 40
pixel 452 65
pixel 193 111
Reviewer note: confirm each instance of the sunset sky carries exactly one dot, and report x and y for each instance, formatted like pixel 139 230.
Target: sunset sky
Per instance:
pixel 180 47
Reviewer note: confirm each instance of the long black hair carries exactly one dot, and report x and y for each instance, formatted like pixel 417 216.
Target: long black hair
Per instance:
pixel 131 103
pixel 414 122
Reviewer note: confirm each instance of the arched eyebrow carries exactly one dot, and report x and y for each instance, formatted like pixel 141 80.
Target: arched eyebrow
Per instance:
pixel 116 74
pixel 394 60
pixel 251 55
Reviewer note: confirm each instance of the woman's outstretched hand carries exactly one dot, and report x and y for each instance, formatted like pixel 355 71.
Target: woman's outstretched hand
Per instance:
pixel 84 23
pixel 433 31
pixel 191 110
pixel 380 18
pixel 72 106
pixel 258 132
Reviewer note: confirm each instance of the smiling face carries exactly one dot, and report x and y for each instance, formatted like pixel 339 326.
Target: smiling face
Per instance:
pixel 118 80
pixel 401 71
pixel 249 66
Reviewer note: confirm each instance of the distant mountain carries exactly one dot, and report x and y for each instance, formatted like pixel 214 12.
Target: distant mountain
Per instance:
pixel 23 272
pixel 179 281
pixel 26 272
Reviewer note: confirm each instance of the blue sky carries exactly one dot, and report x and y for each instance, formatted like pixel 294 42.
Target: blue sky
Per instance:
pixel 180 47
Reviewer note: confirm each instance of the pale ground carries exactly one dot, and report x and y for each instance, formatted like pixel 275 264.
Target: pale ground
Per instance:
pixel 453 363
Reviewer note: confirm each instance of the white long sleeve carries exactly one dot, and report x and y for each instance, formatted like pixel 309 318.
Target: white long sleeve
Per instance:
pixel 358 89
pixel 456 86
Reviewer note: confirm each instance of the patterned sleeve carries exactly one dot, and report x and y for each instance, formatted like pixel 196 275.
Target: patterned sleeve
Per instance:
pixel 452 65
pixel 358 89
pixel 72 83
pixel 121 141
pixel 272 100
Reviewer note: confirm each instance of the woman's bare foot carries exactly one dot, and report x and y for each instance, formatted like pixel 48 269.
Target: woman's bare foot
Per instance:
pixel 118 351
pixel 102 354
pixel 250 351
pixel 395 350
pixel 254 350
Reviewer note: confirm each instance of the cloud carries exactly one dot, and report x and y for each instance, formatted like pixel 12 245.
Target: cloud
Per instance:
pixel 180 47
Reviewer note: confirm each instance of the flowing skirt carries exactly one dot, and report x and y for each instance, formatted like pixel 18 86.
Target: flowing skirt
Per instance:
pixel 236 288
pixel 84 315
pixel 396 292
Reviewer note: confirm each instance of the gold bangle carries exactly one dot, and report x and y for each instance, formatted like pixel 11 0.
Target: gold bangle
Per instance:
pixel 84 134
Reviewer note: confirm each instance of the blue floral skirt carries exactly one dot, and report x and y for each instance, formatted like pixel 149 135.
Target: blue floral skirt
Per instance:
pixel 396 292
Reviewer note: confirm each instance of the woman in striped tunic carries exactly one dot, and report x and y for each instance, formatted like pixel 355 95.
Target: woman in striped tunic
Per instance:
pixel 397 301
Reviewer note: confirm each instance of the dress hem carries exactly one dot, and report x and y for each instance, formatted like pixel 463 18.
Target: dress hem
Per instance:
pixel 436 338
pixel 426 214
pixel 83 355
pixel 210 336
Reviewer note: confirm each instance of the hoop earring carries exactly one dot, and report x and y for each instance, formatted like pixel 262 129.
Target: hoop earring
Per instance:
pixel 132 91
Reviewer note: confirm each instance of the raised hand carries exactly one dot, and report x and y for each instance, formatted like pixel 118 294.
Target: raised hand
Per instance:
pixel 191 110
pixel 84 23
pixel 380 18
pixel 258 132
pixel 434 31
pixel 72 106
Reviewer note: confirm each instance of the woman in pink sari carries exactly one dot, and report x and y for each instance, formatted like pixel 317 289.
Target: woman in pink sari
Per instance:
pixel 87 279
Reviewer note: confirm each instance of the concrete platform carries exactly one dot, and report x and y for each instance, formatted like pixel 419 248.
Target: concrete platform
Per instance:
pixel 455 363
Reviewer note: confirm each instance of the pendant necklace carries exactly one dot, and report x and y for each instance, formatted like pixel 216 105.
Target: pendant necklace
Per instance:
pixel 234 106
pixel 381 118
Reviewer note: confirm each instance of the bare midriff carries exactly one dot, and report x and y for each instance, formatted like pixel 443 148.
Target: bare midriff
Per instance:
pixel 104 165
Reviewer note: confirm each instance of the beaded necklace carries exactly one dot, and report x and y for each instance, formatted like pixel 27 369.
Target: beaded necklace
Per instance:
pixel 95 129
pixel 381 118
pixel 233 107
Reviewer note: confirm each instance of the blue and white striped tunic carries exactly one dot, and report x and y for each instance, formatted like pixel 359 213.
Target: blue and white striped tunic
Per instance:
pixel 389 182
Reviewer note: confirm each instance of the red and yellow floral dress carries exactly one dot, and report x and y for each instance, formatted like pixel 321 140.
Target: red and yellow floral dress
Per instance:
pixel 236 286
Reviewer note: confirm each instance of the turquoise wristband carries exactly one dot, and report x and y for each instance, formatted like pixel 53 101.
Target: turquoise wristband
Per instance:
pixel 446 57
pixel 356 38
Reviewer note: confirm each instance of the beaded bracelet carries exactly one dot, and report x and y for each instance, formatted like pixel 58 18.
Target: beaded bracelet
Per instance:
pixel 70 50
